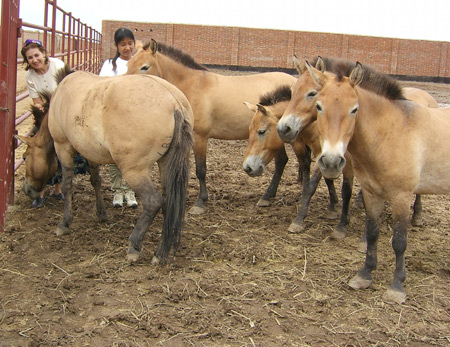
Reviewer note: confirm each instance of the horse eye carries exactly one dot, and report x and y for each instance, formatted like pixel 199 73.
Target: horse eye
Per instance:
pixel 311 94
pixel 261 132
pixel 353 112
pixel 318 107
pixel 145 67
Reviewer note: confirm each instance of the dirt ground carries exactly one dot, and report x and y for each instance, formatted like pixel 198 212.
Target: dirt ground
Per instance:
pixel 239 278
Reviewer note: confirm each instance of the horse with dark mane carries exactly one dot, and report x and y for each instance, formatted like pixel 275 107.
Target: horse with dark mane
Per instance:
pixel 398 147
pixel 217 100
pixel 264 143
pixel 133 121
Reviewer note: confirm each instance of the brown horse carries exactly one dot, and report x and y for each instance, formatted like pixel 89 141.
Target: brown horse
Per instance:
pixel 133 121
pixel 398 148
pixel 301 110
pixel 217 100
pixel 264 143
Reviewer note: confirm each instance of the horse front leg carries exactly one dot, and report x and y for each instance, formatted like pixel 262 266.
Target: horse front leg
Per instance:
pixel 63 227
pixel 96 182
pixel 151 202
pixel 400 218
pixel 280 163
pixel 308 191
pixel 374 207
pixel 331 212
pixel 417 212
pixel 347 189
pixel 200 144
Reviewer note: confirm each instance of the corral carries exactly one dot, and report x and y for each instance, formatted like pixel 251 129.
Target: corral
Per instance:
pixel 239 278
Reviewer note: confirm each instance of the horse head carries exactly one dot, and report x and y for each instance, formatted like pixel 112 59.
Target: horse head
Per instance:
pixel 337 108
pixel 145 60
pixel 301 111
pixel 40 156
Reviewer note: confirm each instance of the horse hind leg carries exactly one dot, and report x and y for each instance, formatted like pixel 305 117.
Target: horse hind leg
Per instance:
pixel 280 163
pixel 151 203
pixel 96 182
pixel 63 227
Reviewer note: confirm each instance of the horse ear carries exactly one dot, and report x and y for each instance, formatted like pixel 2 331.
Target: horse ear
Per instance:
pixel 320 64
pixel 24 139
pixel 301 68
pixel 264 110
pixel 318 76
pixel 154 46
pixel 250 106
pixel 357 74
pixel 139 45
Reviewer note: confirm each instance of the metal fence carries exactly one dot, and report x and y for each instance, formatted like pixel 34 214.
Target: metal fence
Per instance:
pixel 64 37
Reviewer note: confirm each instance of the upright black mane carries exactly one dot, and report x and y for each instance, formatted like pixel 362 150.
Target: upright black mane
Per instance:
pixel 177 55
pixel 282 93
pixel 374 81
pixel 62 73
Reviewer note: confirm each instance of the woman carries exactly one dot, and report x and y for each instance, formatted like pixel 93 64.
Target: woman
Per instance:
pixel 125 44
pixel 40 76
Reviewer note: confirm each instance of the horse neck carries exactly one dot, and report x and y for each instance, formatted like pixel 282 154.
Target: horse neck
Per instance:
pixel 175 72
pixel 377 117
pixel 44 138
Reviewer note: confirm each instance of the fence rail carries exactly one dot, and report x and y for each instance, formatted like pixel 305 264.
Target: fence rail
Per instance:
pixel 64 37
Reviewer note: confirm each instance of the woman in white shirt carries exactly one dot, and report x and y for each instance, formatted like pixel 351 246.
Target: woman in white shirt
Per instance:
pixel 125 44
pixel 40 76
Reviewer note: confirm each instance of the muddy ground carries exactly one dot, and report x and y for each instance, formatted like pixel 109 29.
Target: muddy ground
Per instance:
pixel 239 278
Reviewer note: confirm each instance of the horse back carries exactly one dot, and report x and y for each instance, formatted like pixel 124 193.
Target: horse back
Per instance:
pixel 103 118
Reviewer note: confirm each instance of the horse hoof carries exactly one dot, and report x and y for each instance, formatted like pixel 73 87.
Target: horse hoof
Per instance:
pixel 338 234
pixel 61 230
pixel 358 282
pixel 362 247
pixel 102 218
pixel 358 204
pixel 394 296
pixel 133 255
pixel 296 228
pixel 417 222
pixel 263 203
pixel 331 215
pixel 197 210
pixel 155 260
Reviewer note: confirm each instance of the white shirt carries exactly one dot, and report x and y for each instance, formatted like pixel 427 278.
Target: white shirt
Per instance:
pixel 46 83
pixel 107 68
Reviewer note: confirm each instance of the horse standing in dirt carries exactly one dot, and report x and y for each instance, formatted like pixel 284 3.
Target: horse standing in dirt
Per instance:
pixel 217 100
pixel 264 143
pixel 133 121
pixel 399 148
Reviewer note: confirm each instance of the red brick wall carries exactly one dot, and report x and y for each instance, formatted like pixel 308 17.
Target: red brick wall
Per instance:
pixel 266 48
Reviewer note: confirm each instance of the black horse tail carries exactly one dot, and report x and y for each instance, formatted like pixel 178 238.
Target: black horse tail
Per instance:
pixel 176 184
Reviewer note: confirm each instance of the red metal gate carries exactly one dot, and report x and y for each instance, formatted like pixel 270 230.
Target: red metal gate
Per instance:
pixel 70 40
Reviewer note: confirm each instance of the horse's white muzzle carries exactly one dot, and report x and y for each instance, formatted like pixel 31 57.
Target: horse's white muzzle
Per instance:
pixel 288 128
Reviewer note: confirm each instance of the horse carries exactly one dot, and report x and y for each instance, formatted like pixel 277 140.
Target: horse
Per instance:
pixel 398 148
pixel 264 143
pixel 217 100
pixel 301 111
pixel 133 121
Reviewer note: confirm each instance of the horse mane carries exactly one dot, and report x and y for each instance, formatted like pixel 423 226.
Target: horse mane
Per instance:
pixel 39 114
pixel 177 55
pixel 282 93
pixel 377 82
pixel 62 73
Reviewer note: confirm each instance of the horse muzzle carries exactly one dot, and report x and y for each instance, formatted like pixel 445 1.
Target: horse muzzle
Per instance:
pixel 331 165
pixel 288 128
pixel 253 166
pixel 30 191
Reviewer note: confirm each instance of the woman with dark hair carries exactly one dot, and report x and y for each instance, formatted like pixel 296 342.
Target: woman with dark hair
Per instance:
pixel 125 44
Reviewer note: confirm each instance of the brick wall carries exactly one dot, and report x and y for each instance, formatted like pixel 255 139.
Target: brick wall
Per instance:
pixel 273 49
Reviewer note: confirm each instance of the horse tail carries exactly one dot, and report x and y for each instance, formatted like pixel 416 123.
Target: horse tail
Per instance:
pixel 176 183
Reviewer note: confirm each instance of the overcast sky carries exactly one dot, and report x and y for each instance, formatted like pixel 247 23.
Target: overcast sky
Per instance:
pixel 408 19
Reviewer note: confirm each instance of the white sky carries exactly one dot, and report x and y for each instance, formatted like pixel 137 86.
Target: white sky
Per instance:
pixel 408 19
